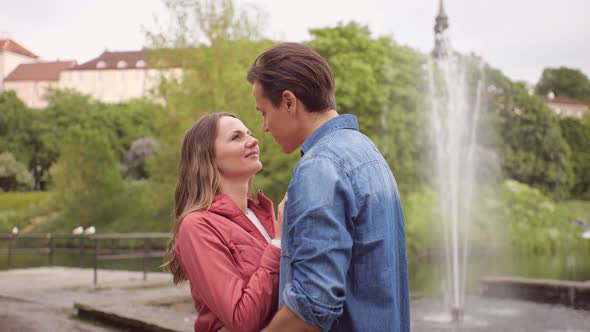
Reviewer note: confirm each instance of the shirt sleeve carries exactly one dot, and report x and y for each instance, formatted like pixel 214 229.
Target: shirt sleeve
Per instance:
pixel 240 304
pixel 321 199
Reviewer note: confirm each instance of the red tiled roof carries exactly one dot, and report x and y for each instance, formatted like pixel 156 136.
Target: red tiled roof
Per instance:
pixel 563 100
pixel 110 60
pixel 14 47
pixel 40 71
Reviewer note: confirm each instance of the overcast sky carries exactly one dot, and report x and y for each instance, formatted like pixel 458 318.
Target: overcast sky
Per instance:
pixel 520 37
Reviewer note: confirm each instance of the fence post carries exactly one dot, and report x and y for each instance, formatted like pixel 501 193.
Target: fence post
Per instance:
pixel 81 249
pixel 10 250
pixel 95 261
pixel 50 256
pixel 146 249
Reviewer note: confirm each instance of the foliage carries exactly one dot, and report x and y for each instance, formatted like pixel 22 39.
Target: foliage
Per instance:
pixel 15 127
pixel 213 47
pixel 564 82
pixel 535 224
pixel 577 135
pixel 382 83
pixel 533 150
pixel 134 163
pixel 13 174
pixel 121 124
pixel 420 214
pixel 87 179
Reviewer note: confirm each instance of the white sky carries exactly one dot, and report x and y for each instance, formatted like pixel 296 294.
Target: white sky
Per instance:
pixel 520 37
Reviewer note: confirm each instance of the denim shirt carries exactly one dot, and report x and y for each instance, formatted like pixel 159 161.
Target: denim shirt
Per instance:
pixel 343 259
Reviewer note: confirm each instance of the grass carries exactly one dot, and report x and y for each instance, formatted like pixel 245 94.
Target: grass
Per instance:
pixel 574 210
pixel 18 201
pixel 16 208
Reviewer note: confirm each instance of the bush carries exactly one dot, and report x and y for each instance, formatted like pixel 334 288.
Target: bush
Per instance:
pixel 14 175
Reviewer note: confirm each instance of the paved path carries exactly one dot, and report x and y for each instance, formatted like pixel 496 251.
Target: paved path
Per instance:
pixel 43 299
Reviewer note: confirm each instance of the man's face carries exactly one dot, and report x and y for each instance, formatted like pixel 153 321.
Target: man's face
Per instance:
pixel 276 120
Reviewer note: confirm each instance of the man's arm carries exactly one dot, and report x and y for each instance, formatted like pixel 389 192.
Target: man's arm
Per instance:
pixel 319 245
pixel 286 320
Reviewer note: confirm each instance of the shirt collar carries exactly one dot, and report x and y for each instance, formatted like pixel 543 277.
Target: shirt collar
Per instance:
pixel 344 121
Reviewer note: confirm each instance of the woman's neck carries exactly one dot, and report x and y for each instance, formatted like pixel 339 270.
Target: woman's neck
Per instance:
pixel 238 192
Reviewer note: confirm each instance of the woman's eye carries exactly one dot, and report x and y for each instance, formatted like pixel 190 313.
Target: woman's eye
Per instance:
pixel 235 137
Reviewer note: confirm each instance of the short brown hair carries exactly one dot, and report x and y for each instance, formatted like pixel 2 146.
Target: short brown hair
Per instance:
pixel 299 69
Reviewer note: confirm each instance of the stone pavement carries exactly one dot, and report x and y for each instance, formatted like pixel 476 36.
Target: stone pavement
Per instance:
pixel 47 298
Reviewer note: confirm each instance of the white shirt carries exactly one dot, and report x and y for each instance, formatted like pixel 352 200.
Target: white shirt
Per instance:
pixel 254 219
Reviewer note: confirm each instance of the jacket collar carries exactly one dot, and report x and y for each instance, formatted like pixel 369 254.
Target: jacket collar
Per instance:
pixel 263 208
pixel 343 121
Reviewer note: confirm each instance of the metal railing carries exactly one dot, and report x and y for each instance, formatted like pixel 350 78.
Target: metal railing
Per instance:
pixel 84 245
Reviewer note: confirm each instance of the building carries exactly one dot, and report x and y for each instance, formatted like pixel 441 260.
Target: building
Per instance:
pixel 31 81
pixel 115 77
pixel 12 55
pixel 567 106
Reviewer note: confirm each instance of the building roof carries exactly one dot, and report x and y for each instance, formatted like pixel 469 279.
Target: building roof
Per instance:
pixel 9 45
pixel 568 101
pixel 40 71
pixel 116 60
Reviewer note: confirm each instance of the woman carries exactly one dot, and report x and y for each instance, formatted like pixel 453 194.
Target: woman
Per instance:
pixel 224 243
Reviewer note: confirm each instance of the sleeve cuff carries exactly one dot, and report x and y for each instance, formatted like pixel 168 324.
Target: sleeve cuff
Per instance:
pixel 308 311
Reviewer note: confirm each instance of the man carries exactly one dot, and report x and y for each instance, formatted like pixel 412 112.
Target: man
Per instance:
pixel 343 252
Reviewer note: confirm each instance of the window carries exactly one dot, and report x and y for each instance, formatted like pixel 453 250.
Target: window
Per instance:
pixel 101 64
pixel 140 64
pixel 121 64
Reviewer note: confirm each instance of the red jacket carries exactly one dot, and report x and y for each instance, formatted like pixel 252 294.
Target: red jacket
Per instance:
pixel 232 270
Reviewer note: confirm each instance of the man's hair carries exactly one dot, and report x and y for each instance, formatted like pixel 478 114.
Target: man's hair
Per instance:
pixel 297 68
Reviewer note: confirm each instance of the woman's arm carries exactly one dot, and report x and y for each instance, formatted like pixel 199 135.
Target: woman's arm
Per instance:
pixel 211 269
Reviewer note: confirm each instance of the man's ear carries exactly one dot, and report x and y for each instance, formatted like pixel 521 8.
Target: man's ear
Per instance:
pixel 290 101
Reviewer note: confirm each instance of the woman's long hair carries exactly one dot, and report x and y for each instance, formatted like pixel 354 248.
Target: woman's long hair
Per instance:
pixel 198 181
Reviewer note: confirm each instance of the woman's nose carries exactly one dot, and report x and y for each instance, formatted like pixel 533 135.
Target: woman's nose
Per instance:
pixel 253 141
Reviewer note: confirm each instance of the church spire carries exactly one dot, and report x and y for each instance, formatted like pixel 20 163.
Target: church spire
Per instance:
pixel 441 25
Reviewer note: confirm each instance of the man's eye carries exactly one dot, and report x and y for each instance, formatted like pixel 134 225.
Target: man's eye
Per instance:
pixel 236 136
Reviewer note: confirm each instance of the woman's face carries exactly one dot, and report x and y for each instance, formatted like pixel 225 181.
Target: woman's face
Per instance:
pixel 236 150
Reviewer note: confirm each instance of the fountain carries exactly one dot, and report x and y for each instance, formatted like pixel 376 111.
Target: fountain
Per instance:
pixel 453 123
pixel 456 88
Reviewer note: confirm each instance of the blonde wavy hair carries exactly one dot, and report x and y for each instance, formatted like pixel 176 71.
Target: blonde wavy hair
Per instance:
pixel 198 181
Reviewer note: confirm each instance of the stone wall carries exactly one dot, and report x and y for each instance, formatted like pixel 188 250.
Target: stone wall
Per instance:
pixel 574 294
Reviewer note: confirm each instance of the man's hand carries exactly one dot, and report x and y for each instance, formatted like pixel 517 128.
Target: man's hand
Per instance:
pixel 280 213
pixel 287 321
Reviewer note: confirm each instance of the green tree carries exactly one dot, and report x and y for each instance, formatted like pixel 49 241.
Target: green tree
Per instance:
pixel 13 174
pixel 564 82
pixel 380 82
pixel 533 150
pixel 66 109
pixel 87 180
pixel 215 42
pixel 16 120
pixel 577 136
